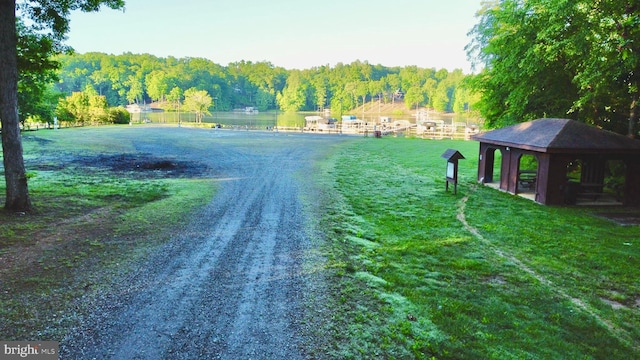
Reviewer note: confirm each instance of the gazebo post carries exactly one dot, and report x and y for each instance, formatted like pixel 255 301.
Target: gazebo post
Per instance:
pixel 632 182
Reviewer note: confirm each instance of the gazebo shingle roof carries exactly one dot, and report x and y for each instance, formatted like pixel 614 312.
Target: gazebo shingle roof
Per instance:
pixel 560 136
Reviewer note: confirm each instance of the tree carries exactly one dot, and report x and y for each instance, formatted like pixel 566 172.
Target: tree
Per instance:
pixel 198 101
pixel 84 107
pixel 393 80
pixel 319 84
pixel 119 115
pixel 158 84
pixel 44 14
pixel 429 88
pixel 441 97
pixel 36 71
pixel 576 59
pixel 378 88
pixel 414 96
pixel 136 89
pixel 362 90
pixel 265 99
pixel 292 96
pixel 409 77
pixel 174 97
pixel 524 76
pixel 609 59
pixel 17 192
pixel 74 108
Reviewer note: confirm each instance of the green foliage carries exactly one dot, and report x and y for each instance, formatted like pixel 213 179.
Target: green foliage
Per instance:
pixel 119 115
pixel 441 97
pixel 292 97
pixel 54 15
pixel 36 50
pixel 129 78
pixel 528 162
pixel 175 97
pixel 571 59
pixel 158 84
pixel 36 71
pixel 85 107
pixel 265 100
pixel 198 102
pixel 414 97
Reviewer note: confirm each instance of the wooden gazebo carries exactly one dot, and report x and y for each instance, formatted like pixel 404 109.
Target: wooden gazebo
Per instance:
pixel 558 145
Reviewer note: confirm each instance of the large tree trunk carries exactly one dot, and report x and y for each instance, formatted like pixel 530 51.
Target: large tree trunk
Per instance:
pixel 14 171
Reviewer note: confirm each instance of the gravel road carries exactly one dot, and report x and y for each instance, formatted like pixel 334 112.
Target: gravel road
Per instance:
pixel 233 284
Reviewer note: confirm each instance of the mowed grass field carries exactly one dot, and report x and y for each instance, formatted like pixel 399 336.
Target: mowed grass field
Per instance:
pixel 423 273
pixel 413 272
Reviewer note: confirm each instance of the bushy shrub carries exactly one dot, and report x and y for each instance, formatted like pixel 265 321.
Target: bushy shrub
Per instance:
pixel 118 115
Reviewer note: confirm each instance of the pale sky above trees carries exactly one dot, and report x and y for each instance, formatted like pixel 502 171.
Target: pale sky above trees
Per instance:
pixel 294 34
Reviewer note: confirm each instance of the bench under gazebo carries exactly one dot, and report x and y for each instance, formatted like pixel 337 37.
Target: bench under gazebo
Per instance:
pixel 561 161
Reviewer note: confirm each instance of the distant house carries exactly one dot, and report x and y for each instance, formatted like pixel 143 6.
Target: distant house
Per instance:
pixel 137 108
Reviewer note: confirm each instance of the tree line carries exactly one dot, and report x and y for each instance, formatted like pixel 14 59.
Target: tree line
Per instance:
pixel 142 78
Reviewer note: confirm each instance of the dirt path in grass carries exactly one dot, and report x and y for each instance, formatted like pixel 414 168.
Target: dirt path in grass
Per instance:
pixel 232 285
pixel 619 333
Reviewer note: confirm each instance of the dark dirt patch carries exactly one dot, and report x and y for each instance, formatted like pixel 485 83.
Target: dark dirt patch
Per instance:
pixel 144 165
pixel 37 139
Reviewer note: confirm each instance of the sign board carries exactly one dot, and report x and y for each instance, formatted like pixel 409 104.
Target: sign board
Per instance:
pixel 451 167
pixel 452 157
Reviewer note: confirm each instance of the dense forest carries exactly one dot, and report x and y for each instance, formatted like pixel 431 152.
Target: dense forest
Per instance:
pixel 142 79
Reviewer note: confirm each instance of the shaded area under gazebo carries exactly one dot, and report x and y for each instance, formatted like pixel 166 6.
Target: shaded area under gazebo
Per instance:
pixel 561 161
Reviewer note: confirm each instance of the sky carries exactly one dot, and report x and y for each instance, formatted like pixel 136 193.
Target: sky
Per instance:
pixel 293 34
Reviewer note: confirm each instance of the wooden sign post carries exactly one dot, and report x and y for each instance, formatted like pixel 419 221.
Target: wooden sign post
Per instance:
pixel 452 157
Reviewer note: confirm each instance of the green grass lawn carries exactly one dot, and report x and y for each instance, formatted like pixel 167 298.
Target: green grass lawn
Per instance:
pixel 424 273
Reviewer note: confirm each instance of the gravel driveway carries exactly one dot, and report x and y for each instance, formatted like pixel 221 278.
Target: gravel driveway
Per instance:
pixel 233 284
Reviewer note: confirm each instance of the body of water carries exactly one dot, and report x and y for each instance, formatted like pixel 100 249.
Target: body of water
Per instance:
pixel 269 119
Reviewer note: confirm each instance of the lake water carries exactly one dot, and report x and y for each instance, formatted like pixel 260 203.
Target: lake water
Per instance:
pixel 260 120
pixel 263 120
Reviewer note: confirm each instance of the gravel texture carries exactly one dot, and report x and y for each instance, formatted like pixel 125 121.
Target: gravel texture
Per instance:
pixel 232 284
